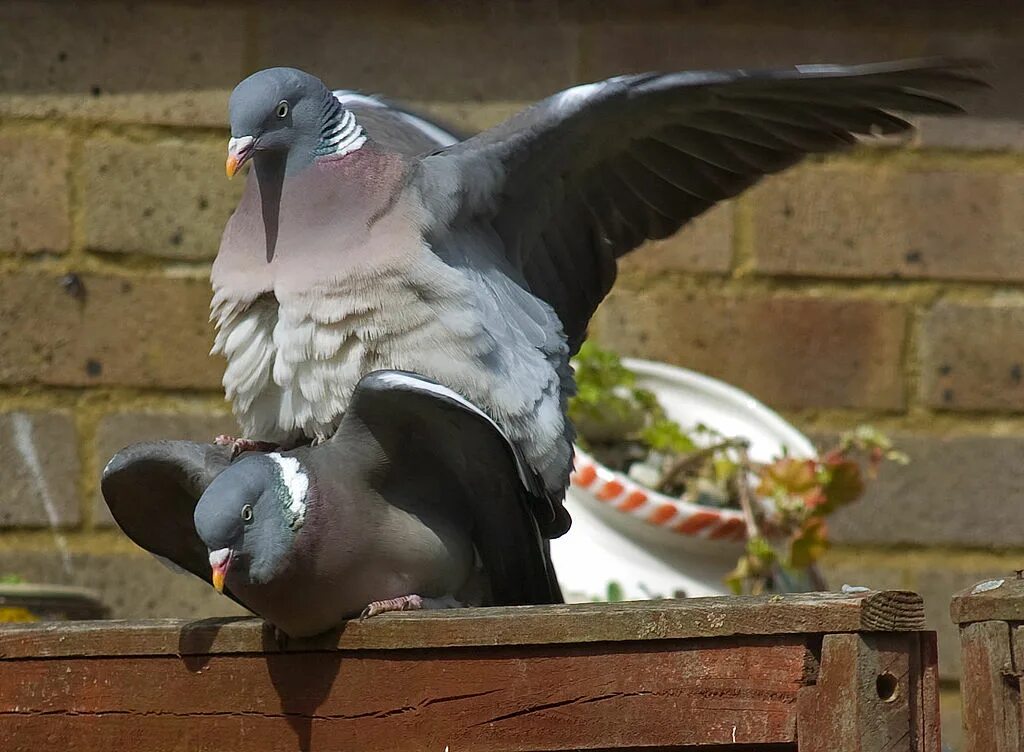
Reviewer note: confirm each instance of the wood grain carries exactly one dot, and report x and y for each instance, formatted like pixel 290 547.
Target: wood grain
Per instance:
pixel 990 688
pixel 814 613
pixel 925 696
pixel 870 697
pixel 1003 603
pixel 668 693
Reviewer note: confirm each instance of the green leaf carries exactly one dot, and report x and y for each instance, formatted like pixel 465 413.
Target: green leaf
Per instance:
pixel 761 550
pixel 809 544
pixel 614 592
pixel 735 579
pixel 667 436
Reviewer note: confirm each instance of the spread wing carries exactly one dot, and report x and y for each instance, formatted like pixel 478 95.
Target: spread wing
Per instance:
pixel 421 424
pixel 152 489
pixel 581 178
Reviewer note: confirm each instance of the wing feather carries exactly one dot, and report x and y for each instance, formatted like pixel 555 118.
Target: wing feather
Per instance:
pixel 579 179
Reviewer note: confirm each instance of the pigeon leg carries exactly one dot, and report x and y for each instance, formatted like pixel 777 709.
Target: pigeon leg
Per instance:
pixel 244 445
pixel 408 603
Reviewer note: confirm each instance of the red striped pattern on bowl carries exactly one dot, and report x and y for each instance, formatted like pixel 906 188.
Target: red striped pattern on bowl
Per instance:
pixel 678 515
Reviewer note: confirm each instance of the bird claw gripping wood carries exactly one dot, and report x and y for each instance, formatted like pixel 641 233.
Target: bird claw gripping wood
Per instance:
pixel 404 603
pixel 244 445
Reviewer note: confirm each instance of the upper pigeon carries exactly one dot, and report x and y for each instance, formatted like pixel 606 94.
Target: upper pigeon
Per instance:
pixel 369 238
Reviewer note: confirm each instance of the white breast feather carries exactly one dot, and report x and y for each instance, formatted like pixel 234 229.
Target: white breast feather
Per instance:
pixel 294 372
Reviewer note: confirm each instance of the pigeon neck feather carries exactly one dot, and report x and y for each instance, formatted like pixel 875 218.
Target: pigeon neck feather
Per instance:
pixel 340 132
pixel 294 488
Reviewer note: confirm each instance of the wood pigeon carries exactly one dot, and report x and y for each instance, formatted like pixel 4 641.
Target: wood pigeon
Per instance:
pixel 418 500
pixel 368 238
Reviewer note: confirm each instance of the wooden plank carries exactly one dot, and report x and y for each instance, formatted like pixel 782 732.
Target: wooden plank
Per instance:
pixel 925 711
pixel 640 695
pixel 998 599
pixel 1017 677
pixel 523 625
pixel 990 688
pixel 868 697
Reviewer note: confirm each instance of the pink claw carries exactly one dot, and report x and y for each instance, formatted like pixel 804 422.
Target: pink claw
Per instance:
pixel 244 445
pixel 404 603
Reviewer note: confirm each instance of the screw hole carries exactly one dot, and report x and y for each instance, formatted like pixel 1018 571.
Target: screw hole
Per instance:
pixel 888 687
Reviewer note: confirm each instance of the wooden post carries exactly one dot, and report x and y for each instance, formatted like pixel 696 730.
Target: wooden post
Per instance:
pixel 991 617
pixel 860 702
pixel 777 673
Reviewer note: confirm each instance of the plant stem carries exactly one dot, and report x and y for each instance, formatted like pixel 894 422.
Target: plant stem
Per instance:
pixel 743 486
pixel 682 464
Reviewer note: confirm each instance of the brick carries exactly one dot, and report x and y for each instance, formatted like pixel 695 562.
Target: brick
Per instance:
pixel 789 351
pixel 469 118
pixel 38 469
pixel 132 585
pixel 120 61
pixel 854 221
pixel 916 14
pixel 118 430
pixel 34 214
pixel 951 716
pixel 970 133
pixel 444 60
pixel 611 49
pixel 104 330
pixel 168 199
pixel 862 570
pixel 855 36
pixel 704 245
pixel 972 356
pixel 956 491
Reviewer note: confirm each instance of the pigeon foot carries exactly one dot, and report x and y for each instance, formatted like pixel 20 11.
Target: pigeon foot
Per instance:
pixel 409 603
pixel 244 445
pixel 404 603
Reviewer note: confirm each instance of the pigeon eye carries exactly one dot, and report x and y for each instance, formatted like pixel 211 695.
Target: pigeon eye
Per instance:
pixel 247 513
pixel 282 109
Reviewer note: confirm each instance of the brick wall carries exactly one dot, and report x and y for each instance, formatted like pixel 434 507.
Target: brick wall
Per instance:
pixel 882 284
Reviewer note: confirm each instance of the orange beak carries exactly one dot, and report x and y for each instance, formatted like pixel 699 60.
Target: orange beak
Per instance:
pixel 240 150
pixel 220 560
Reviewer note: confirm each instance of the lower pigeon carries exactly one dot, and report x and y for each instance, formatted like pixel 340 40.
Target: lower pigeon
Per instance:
pixel 417 501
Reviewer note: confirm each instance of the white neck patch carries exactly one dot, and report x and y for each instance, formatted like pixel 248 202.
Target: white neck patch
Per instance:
pixel 296 485
pixel 346 136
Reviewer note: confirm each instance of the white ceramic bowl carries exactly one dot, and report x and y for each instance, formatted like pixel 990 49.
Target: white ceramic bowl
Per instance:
pixel 655 545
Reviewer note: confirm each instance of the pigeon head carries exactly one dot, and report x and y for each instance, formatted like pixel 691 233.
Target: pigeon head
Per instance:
pixel 288 113
pixel 249 515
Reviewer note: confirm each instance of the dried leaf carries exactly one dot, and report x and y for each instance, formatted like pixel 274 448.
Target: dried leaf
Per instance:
pixel 844 485
pixel 788 476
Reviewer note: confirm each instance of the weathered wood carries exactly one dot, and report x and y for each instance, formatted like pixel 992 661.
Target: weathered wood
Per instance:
pixel 871 696
pixel 990 688
pixel 814 613
pixel 1015 681
pixel 926 711
pixel 669 693
pixel 998 599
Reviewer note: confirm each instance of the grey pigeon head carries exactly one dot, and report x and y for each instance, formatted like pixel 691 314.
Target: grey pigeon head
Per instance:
pixel 249 516
pixel 286 112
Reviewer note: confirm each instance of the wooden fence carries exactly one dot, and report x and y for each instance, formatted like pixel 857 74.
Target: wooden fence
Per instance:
pixel 814 673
